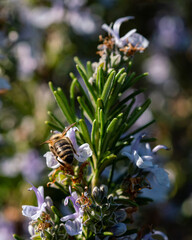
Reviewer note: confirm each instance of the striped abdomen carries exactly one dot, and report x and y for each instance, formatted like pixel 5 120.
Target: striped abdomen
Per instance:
pixel 64 150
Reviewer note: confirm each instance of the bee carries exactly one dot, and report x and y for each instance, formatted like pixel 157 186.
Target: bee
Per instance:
pixel 61 147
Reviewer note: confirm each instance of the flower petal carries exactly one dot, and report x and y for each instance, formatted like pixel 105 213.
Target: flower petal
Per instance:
pixel 50 160
pixel 71 135
pixel 74 227
pixel 141 162
pixel 109 30
pixel 39 192
pixel 83 152
pixel 125 39
pixel 72 216
pixel 29 211
pixel 158 147
pixel 138 40
pixel 39 211
pixel 161 176
pixel 33 212
pixel 118 23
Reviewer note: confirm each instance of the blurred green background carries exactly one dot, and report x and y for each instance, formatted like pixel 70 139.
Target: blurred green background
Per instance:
pixel 38 40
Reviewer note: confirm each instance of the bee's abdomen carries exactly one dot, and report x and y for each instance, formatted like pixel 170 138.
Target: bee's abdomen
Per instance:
pixel 64 150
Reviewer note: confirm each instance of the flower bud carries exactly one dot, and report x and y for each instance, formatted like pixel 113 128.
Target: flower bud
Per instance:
pixel 118 229
pixel 104 191
pixel 96 194
pixel 120 215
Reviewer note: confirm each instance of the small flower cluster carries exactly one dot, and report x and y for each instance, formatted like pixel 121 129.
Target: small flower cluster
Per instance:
pixel 99 205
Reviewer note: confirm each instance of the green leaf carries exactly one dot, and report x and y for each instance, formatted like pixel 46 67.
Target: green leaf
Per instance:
pixel 87 100
pixel 53 126
pixel 72 93
pixel 127 111
pixel 100 80
pixel 88 85
pixel 107 87
pixel 114 96
pixel 56 119
pixel 62 104
pixel 86 109
pixel 65 101
pixel 132 95
pixel 108 234
pixel 127 83
pixel 122 70
pixel 133 81
pixel 129 66
pixel 110 132
pixel 17 237
pixel 118 131
pixel 93 133
pixel 51 86
pixel 78 62
pixel 89 69
pixel 101 123
pixel 137 113
pixel 106 161
pixel 100 105
pixel 48 236
pixel 115 111
pixel 85 132
pixel 56 211
pixel 112 126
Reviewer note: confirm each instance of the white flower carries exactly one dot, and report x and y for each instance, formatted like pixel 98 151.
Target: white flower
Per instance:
pixel 132 37
pixel 35 212
pixel 81 152
pixel 142 155
pixel 74 221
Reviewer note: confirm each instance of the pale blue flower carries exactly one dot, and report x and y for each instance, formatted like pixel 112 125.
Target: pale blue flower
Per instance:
pixel 131 37
pixel 144 158
pixel 35 212
pixel 82 152
pixel 74 221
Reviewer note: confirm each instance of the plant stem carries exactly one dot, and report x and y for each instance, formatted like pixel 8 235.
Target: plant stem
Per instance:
pixel 95 179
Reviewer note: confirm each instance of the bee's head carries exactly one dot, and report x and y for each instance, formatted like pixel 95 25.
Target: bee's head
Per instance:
pixel 55 137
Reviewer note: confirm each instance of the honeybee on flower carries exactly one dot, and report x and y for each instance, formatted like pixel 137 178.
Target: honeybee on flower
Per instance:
pixel 64 147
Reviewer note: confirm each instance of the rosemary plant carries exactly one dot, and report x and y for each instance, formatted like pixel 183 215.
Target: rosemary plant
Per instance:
pixel 100 198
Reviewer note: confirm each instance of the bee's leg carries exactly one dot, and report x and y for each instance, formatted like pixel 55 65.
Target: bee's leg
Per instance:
pixel 67 168
pixel 53 176
pixel 79 178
